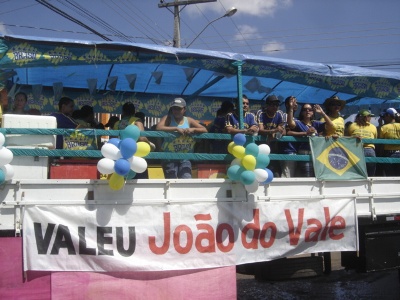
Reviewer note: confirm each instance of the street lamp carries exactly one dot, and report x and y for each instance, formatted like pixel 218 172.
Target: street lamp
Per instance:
pixel 229 13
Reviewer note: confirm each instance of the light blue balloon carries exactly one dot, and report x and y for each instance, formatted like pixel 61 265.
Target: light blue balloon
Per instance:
pixel 131 174
pixel 252 149
pixel 262 161
pixel 270 176
pixel 247 177
pixel 127 147
pixel 239 139
pixel 122 167
pixel 2 176
pixel 114 141
pixel 234 172
pixel 131 131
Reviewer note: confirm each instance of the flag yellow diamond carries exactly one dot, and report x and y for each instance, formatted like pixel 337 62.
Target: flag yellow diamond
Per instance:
pixel 338 158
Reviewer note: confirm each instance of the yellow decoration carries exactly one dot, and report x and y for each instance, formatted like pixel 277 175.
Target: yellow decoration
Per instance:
pixel 249 162
pixel 143 149
pixel 116 181
pixel 230 147
pixel 238 151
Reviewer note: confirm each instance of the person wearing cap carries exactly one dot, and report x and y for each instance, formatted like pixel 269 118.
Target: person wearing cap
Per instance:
pixel 176 121
pixel 390 130
pixel 363 129
pixel 333 106
pixel 232 125
pixel 111 121
pixel 219 126
pixel 272 125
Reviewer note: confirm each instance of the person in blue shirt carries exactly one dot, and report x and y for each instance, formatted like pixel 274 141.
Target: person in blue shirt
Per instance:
pixel 249 120
pixel 307 126
pixel 64 120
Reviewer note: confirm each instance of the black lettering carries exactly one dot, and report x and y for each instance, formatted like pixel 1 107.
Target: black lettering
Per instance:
pixel 43 244
pixel 120 242
pixel 82 243
pixel 63 240
pixel 102 240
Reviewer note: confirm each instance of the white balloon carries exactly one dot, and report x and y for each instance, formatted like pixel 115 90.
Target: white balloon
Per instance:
pixel 106 166
pixel 138 164
pixel 264 149
pixel 252 188
pixel 6 156
pixel 110 151
pixel 8 171
pixel 236 161
pixel 2 139
pixel 261 175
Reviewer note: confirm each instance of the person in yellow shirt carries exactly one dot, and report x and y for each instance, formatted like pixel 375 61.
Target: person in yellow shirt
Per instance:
pixel 390 130
pixel 363 129
pixel 333 106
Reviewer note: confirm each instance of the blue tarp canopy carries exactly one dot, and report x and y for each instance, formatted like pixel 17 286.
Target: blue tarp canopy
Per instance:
pixel 190 73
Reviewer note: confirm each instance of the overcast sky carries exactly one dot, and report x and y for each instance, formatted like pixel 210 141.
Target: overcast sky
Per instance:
pixel 354 32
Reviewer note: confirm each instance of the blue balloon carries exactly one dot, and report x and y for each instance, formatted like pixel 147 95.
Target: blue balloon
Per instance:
pixel 239 139
pixel 262 161
pixel 127 147
pixel 270 176
pixel 234 172
pixel 131 131
pixel 122 167
pixel 131 174
pixel 2 176
pixel 247 177
pixel 115 142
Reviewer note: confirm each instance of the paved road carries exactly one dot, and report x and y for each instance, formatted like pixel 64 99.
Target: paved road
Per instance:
pixel 339 284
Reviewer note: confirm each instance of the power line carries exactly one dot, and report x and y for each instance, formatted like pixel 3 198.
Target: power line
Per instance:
pixel 65 15
pixel 93 18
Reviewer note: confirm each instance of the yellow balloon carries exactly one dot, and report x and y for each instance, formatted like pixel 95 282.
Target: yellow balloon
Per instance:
pixel 238 151
pixel 230 147
pixel 143 149
pixel 249 162
pixel 116 181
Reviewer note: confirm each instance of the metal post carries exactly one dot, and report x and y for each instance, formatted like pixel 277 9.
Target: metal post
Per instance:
pixel 238 64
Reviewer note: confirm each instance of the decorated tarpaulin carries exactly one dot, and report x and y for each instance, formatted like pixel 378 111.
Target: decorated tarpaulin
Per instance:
pixel 104 68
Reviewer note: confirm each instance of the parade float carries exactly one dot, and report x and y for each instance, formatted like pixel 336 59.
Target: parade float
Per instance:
pixel 71 237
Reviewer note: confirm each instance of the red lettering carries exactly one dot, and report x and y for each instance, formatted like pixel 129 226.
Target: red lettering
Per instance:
pixel 312 233
pixel 167 236
pixel 208 236
pixel 337 222
pixel 268 226
pixel 255 226
pixel 231 237
pixel 294 233
pixel 189 239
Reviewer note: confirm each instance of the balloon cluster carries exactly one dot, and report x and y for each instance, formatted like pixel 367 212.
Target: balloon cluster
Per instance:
pixel 250 163
pixel 123 158
pixel 6 156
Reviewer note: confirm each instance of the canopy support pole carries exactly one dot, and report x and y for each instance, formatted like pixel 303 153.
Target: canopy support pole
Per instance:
pixel 238 64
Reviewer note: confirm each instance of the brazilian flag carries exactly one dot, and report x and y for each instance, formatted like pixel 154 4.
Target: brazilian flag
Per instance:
pixel 338 159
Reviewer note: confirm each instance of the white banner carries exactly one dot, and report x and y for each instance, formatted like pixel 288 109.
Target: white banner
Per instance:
pixel 182 236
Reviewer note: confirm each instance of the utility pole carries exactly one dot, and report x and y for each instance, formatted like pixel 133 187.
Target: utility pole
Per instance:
pixel 177 20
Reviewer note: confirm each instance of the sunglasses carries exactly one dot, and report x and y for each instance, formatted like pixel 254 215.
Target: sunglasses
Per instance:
pixel 273 104
pixel 336 104
pixel 307 109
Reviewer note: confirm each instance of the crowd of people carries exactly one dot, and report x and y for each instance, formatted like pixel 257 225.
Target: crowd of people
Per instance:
pixel 270 122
